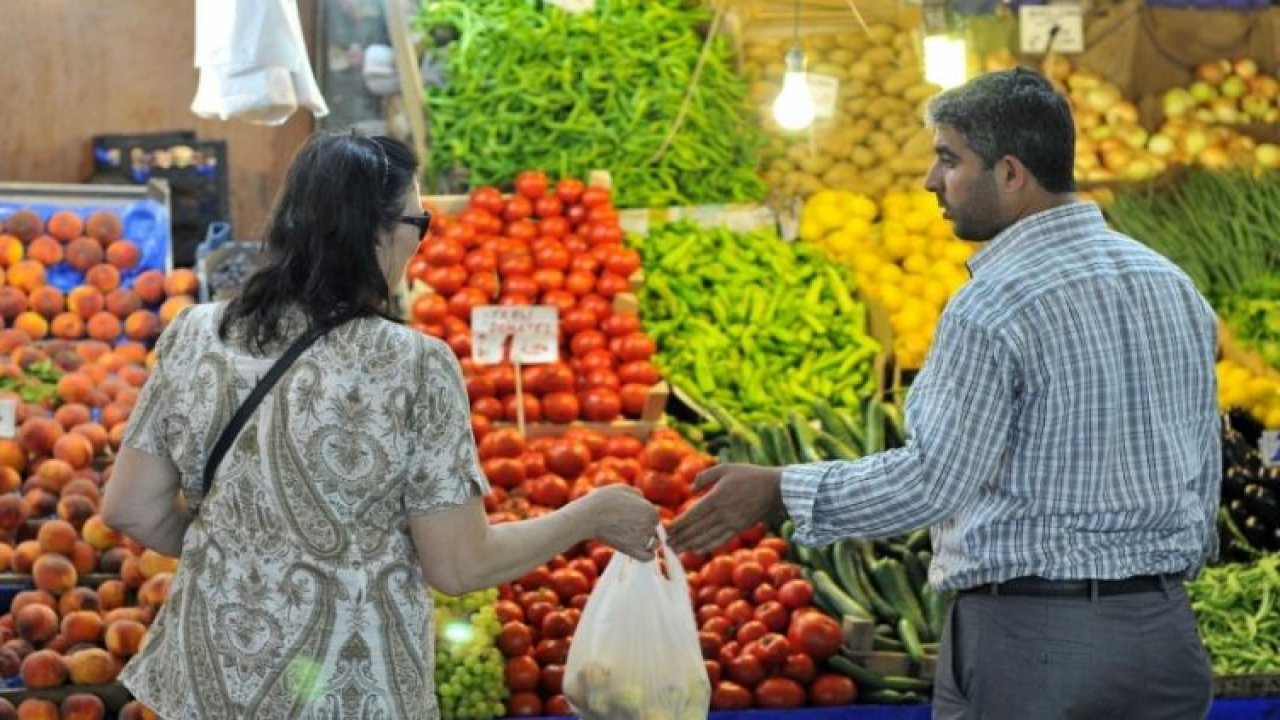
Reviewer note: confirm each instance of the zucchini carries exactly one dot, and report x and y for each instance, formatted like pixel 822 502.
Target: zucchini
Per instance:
pixel 845 606
pixel 833 448
pixel 873 427
pixel 804 439
pixel 867 679
pixel 885 611
pixel 835 425
pixel 891 578
pixel 846 573
pixel 910 637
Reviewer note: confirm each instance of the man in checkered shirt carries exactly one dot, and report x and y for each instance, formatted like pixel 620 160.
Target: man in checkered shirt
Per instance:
pixel 1063 441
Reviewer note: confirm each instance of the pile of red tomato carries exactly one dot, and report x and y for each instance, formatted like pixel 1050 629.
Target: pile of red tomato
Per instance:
pixel 559 246
pixel 762 640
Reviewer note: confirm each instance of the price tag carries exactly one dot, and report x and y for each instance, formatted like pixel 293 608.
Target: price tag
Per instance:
pixel 1036 23
pixel 825 91
pixel 574 6
pixel 1269 448
pixel 533 331
pixel 8 418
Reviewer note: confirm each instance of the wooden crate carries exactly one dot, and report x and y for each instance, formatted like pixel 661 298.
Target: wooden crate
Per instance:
pixel 859 642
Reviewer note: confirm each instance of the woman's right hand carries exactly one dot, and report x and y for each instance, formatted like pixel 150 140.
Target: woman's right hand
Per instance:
pixel 621 517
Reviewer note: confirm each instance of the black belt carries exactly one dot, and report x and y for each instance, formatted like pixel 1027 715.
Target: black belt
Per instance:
pixel 1042 587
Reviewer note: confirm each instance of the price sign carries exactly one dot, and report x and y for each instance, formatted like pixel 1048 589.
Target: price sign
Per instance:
pixel 1269 448
pixel 533 331
pixel 8 417
pixel 1036 23
pixel 825 91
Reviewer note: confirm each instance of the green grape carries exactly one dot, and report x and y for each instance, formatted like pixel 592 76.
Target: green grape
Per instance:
pixel 470 678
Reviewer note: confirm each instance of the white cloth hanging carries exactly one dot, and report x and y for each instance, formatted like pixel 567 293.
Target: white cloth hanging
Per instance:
pixel 253 62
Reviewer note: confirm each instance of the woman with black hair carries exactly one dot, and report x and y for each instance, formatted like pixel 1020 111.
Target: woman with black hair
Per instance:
pixel 310 534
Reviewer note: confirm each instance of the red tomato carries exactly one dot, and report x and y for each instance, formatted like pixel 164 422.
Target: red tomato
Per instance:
pixel 718 572
pixel 763 593
pixel 577 321
pixel 556 625
pixel 560 407
pixel 557 378
pixel 557 705
pixel 553 257
pixel 604 233
pixel 552 679
pixel 726 596
pixel 602 378
pixel 604 215
pixel 568 458
pixel 506 443
pixel 815 634
pixel 729 696
pixel 617 325
pixel 463 234
pixel 524 704
pixel 623 446
pixel 514 264
pixel 796 593
pixel 505 473
pixel 601 404
pixel 522 673
pixel 719 625
pixel 568 582
pixel 750 631
pixel 532 408
pixel 773 615
pixel 520 285
pixel 552 651
pixel 549 491
pixel 782 573
pixel 710 643
pixel 767 557
pixel 554 227
pixel 548 206
pixel 517 208
pixel 430 308
pixel 535 463
pixel 713 671
pixel 661 488
pixel 508 611
pixel 514 639
pixel 548 279
pixel 479 425
pixel 773 649
pixel 729 653
pixel 746 670
pixel 569 190
pixel 799 667
pixel 596 197
pixel 709 612
pixel 489 407
pixel 831 689
pixel 739 611
pixel 779 692
pixel 487 198
pixel 417 269
pixel 747 575
pixel 485 282
pixel 585 341
pixel 561 300
pixel 520 231
pixel 531 184
pixel 461 303
pixel 690 561
pixel 446 280
pixel 664 454
pixel 580 283
pixel 583 262
pixel 636 346
pixel 641 372
pixel 610 285
pixel 634 398
pixel 623 261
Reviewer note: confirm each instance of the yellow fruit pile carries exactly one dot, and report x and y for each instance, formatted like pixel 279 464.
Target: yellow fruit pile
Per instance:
pixel 1240 387
pixel 876 141
pixel 903 254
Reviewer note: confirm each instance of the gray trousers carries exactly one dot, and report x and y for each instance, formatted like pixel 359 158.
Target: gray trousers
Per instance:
pixel 1121 657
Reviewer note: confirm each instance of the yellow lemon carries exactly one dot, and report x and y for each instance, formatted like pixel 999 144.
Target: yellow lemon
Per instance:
pixel 895 205
pixel 1272 418
pixel 917 221
pixel 891 298
pixel 936 294
pixel 895 243
pixel 860 207
pixel 941 230
pixel 843 243
pixel 912 285
pixel 916 264
pixel 959 253
pixel 888 274
pixel 811 231
pixel 858 227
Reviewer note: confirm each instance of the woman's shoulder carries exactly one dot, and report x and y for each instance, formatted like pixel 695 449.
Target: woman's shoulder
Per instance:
pixel 417 344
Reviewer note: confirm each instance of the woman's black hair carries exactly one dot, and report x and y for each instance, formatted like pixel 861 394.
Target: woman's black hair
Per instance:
pixel 320 243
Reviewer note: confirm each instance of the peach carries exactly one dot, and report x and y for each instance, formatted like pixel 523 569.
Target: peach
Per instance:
pixel 59 643
pixel 113 559
pixel 142 325
pixel 58 536
pixel 83 487
pixel 153 591
pixel 43 669
pixel 25 357
pixel 77 600
pixel 96 434
pixel 71 414
pixel 63 359
pixel 25 224
pixel 11 339
pixel 6 556
pixel 149 284
pixel 103 326
pixel 36 623
pixel 13 511
pixel 11 250
pixel 132 352
pixel 10 480
pixel 115 413
pixel 173 306
pixel 38 434
pixel 27 275
pixel 103 276
pixel 152 563
pixel 54 573
pixel 40 502
pixel 25 555
pixel 130 573
pixel 124 636
pixel 13 302
pixel 47 301
pixel 111 594
pixel 68 326
pixel 75 387
pixel 84 558
pixel 182 281
pixel 45 250
pixel 13 455
pixel 55 472
pixel 37 709
pixel 83 626
pixel 83 706
pixel 10 664
pixel 32 597
pixel 74 449
pixel 134 710
pixel 133 375
pixel 124 254
pixel 33 324
pixel 65 225
pixel 86 301
pixel 122 301
pixel 91 350
pixel 115 436
pixel 103 226
pixel 83 253
pixel 19 646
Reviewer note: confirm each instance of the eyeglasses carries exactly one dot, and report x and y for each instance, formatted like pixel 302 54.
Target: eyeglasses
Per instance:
pixel 422 222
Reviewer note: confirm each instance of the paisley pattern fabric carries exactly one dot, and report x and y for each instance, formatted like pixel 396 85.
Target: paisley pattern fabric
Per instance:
pixel 299 594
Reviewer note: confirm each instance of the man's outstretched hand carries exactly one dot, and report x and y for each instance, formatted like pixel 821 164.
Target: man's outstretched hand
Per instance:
pixel 742 496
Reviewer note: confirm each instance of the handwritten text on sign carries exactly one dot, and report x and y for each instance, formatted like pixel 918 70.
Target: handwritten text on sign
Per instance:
pixel 533 330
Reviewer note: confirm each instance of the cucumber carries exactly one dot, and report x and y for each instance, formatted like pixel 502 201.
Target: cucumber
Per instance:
pixel 786 448
pixel 804 439
pixel 867 679
pixel 910 637
pixel 885 611
pixel 814 558
pixel 846 572
pixel 833 448
pixel 873 427
pixel 850 421
pixel 845 606
pixel 936 605
pixel 834 425
pixel 739 447
pixel 896 434
pixel 918 540
pixel 768 445
pixel 891 579
pixel 887 696
pixel 885 642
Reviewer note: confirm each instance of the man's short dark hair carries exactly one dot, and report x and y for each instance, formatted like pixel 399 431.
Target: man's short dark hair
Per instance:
pixel 1014 112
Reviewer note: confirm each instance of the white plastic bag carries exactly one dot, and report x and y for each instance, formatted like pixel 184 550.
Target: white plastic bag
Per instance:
pixel 635 654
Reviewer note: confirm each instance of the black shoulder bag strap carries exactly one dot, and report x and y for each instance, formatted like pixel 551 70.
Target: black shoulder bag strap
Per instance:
pixel 232 431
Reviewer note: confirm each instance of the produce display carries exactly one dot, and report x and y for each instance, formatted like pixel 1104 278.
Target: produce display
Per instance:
pixel 876 142
pixel 1227 92
pixel 1235 609
pixel 1253 314
pixel 604 89
pixel 1249 515
pixel 749 323
pixel 557 245
pixel 469 667
pixel 904 256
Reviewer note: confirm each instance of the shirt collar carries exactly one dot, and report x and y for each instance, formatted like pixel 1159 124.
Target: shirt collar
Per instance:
pixel 1062 221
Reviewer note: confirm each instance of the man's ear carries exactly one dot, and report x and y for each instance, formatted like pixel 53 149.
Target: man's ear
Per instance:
pixel 1011 174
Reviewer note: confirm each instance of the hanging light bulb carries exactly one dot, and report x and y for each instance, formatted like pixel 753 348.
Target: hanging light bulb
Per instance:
pixel 793 108
pixel 945 61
